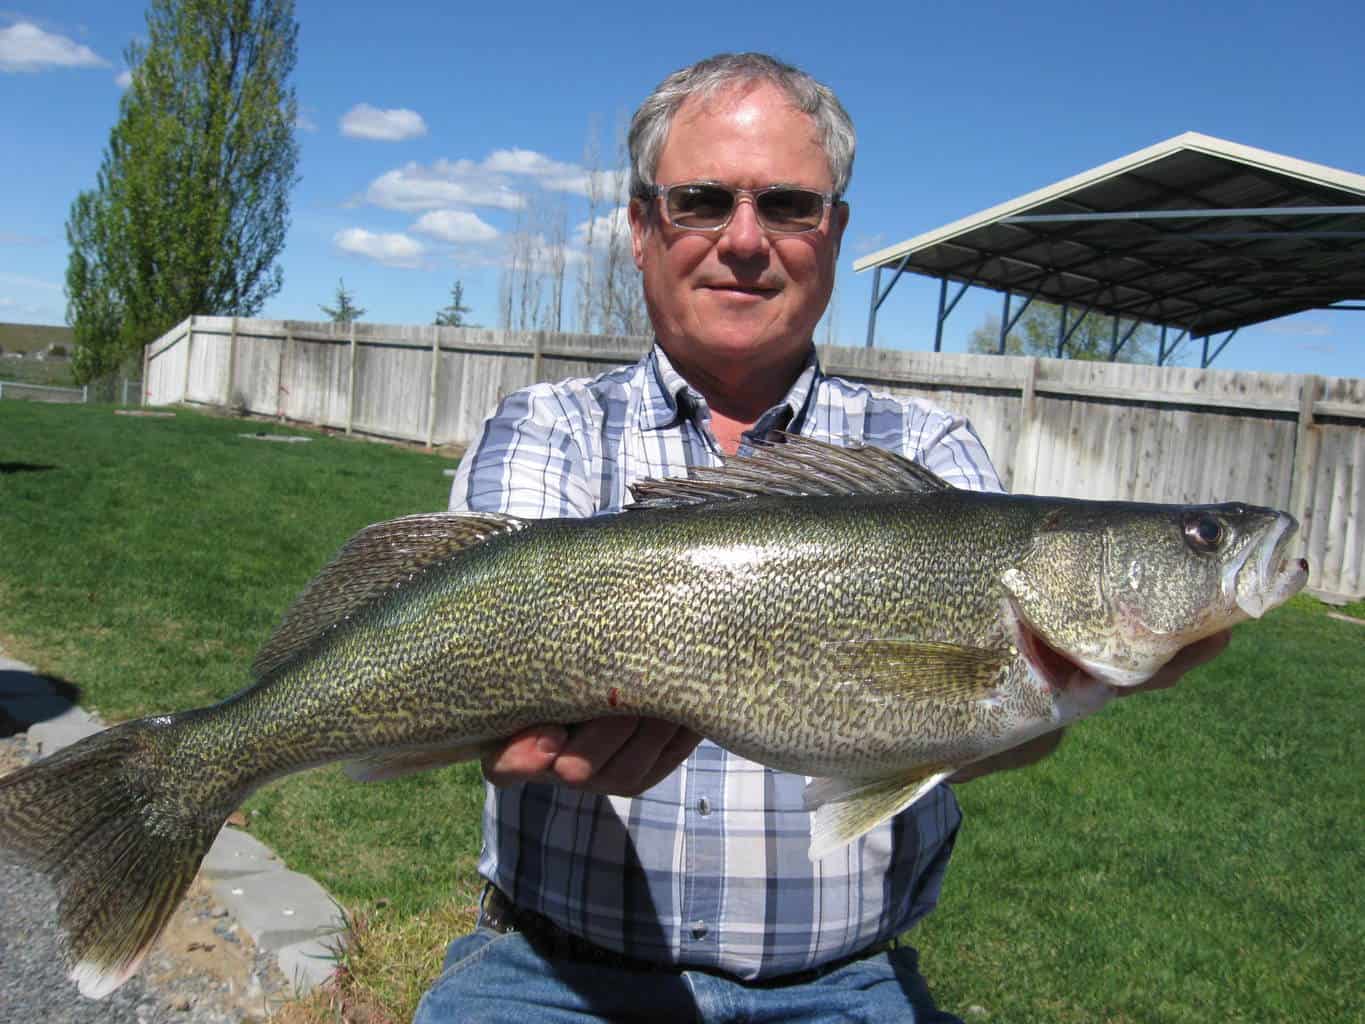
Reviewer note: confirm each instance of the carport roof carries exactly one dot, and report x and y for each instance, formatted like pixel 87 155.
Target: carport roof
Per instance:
pixel 1196 233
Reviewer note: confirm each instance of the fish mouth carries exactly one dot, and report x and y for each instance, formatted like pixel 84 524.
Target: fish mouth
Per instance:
pixel 1264 577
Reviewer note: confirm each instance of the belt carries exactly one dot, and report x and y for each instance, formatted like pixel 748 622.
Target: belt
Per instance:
pixel 498 912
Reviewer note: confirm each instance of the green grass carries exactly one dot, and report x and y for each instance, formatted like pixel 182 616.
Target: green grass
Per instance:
pixel 55 373
pixel 1188 856
pixel 1193 855
pixel 146 560
pixel 31 337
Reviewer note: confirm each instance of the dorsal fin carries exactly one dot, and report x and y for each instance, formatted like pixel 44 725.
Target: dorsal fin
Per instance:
pixel 373 562
pixel 792 466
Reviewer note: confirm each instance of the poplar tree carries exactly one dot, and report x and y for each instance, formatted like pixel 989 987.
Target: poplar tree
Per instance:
pixel 191 205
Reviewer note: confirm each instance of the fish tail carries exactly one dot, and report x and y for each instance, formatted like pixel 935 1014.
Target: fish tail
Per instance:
pixel 113 829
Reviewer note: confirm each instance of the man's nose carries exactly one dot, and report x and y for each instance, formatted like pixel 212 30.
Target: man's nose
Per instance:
pixel 744 235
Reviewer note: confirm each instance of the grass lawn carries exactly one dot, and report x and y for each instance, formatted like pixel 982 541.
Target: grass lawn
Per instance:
pixel 54 373
pixel 1187 856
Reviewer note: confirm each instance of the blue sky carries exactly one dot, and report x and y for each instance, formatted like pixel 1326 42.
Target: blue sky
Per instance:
pixel 424 125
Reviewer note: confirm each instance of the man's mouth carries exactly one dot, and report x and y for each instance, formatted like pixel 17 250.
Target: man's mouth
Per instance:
pixel 758 291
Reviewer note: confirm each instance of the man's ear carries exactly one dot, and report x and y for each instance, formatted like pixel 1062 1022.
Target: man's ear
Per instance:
pixel 639 215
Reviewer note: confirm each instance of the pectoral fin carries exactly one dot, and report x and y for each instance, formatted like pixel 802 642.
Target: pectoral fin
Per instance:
pixel 382 767
pixel 844 809
pixel 917 669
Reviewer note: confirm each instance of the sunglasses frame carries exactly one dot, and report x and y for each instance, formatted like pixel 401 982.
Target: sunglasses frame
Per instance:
pixel 661 192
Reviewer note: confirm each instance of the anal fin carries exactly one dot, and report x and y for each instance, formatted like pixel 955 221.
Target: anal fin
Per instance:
pixel 844 809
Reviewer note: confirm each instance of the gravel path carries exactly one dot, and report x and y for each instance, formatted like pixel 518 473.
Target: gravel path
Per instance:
pixel 202 971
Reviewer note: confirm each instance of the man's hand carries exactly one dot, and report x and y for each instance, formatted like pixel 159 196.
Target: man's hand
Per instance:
pixel 621 755
pixel 1198 653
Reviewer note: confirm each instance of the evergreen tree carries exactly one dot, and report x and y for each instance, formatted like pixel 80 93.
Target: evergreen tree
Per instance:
pixel 345 311
pixel 453 314
pixel 191 204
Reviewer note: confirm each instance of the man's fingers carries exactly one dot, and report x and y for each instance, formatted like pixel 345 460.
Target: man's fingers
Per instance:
pixel 1198 653
pixel 528 755
pixel 682 744
pixel 652 752
pixel 591 745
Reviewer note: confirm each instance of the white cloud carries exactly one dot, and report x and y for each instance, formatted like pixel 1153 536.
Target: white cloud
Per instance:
pixel 393 250
pixel 304 122
pixel 1318 348
pixel 366 122
pixel 455 226
pixel 445 183
pixel 26 47
pixel 123 79
pixel 1303 327
pixel 12 307
pixel 617 222
pixel 23 281
pixel 864 244
pixel 556 175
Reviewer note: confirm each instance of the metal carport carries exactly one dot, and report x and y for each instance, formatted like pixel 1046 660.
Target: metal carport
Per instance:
pixel 1195 234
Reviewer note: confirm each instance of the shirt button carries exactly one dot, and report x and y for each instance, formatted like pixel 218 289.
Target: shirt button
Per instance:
pixel 703 806
pixel 698 930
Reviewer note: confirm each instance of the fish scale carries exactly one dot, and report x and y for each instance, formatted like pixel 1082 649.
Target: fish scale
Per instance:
pixel 838 613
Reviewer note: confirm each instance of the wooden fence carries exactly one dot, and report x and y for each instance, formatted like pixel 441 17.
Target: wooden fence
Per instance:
pixel 1078 429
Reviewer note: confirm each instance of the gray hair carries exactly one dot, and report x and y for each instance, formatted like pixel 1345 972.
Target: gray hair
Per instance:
pixel 649 127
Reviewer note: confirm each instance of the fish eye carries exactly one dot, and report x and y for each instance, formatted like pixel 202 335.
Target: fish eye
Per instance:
pixel 1204 531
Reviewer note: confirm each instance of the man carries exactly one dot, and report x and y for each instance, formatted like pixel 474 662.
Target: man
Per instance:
pixel 635 872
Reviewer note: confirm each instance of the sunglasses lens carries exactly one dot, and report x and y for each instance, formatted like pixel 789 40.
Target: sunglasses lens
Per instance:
pixel 791 209
pixel 699 206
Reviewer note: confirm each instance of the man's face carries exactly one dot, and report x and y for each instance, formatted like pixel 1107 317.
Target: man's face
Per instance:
pixel 726 302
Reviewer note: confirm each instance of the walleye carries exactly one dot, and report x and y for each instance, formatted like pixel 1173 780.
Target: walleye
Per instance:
pixel 836 612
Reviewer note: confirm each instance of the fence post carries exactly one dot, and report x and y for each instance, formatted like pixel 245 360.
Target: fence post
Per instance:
pixel 189 352
pixel 350 400
pixel 279 374
pixel 146 370
pixel 1028 407
pixel 538 346
pixel 1305 460
pixel 232 364
pixel 431 392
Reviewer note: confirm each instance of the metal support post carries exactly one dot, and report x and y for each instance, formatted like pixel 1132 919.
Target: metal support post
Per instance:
pixel 938 326
pixel 1004 322
pixel 1221 345
pixel 872 306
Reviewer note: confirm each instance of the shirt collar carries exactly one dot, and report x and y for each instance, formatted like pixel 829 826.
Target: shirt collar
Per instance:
pixel 669 399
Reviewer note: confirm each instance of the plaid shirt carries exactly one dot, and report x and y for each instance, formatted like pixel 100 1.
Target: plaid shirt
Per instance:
pixel 709 867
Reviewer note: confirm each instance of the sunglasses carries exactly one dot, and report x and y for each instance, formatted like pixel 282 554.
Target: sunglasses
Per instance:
pixel 709 205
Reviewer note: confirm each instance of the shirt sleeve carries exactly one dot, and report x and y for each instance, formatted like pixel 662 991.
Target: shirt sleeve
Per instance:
pixel 946 443
pixel 526 460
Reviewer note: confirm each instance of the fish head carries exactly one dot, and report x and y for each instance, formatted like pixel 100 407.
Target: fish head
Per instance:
pixel 1114 590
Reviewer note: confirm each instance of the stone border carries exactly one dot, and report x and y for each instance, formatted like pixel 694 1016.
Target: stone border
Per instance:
pixel 287 914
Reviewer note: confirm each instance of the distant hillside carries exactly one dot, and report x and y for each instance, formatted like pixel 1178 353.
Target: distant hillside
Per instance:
pixel 33 337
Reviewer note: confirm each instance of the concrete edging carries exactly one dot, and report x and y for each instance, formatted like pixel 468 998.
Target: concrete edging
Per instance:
pixel 287 914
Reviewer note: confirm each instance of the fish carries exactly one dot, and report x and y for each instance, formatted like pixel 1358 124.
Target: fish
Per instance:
pixel 841 613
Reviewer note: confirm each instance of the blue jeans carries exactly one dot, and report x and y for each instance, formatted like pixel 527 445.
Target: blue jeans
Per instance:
pixel 493 977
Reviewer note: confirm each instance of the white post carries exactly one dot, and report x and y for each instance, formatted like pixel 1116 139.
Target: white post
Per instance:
pixel 232 364
pixel 189 353
pixel 350 402
pixel 1305 460
pixel 431 391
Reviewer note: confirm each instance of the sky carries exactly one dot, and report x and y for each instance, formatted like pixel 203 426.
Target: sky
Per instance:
pixel 428 131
